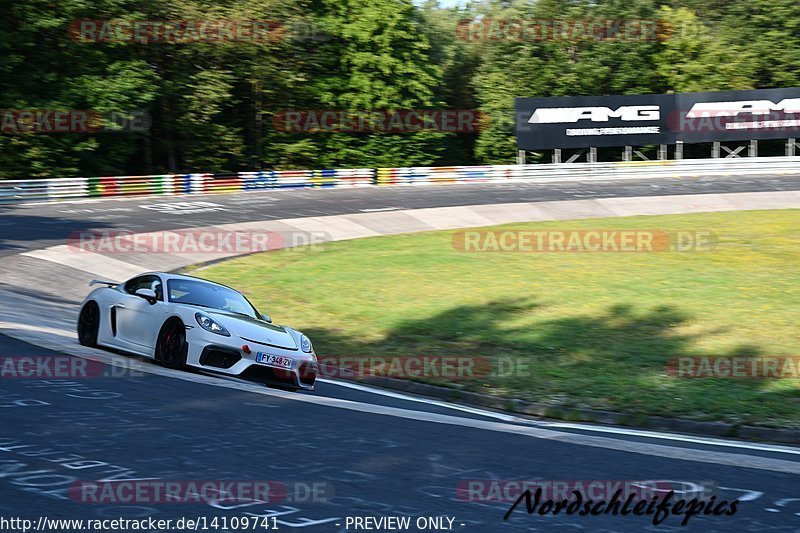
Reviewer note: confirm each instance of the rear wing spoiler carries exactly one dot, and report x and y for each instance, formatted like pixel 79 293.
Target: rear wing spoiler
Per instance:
pixel 103 282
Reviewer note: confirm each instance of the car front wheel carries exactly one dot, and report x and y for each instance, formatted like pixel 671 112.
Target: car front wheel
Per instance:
pixel 171 346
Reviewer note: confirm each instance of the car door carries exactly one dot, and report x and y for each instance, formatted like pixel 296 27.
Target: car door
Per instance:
pixel 137 320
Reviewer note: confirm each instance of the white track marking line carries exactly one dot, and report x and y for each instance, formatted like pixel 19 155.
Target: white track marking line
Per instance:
pixel 545 424
pixel 686 454
pixel 567 425
pixel 675 436
pixel 400 396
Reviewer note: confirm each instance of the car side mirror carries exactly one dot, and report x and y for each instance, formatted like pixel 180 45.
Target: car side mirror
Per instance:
pixel 266 318
pixel 147 294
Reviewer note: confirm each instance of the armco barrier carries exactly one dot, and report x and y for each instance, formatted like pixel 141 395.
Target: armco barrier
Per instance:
pixel 70 188
pixel 12 191
pixel 632 169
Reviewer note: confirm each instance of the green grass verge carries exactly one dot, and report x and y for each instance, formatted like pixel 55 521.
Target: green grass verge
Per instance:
pixel 596 329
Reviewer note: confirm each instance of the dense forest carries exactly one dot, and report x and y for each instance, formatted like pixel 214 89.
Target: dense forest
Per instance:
pixel 182 103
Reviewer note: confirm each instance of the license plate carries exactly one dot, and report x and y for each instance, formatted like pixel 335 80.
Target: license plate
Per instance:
pixel 278 361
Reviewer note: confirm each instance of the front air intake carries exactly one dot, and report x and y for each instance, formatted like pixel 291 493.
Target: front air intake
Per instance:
pixel 218 357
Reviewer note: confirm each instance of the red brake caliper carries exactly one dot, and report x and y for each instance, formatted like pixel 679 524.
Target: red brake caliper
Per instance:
pixel 168 343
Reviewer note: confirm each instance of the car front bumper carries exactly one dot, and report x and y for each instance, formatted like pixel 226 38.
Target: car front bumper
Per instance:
pixel 226 355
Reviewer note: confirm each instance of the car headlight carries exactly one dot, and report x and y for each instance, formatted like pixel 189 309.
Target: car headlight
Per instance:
pixel 305 344
pixel 209 324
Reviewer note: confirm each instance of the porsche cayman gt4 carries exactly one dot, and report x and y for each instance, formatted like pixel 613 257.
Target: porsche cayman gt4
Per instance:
pixel 185 321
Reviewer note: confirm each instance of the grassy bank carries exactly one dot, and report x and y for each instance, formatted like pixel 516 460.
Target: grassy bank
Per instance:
pixel 595 329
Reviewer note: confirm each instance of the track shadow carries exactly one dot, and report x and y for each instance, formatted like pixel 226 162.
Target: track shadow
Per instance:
pixel 615 360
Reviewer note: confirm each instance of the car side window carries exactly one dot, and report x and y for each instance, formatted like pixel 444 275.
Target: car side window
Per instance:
pixel 146 282
pixel 132 285
pixel 155 285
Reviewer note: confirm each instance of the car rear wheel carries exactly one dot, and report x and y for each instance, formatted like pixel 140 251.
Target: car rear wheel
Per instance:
pixel 88 324
pixel 171 346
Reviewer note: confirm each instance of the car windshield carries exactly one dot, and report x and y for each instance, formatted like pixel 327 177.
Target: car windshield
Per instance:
pixel 202 294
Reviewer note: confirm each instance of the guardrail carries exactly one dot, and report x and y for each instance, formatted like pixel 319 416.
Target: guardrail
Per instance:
pixel 70 188
pixel 628 169
pixel 14 191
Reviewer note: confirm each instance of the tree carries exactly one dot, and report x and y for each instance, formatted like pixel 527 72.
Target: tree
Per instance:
pixel 375 57
pixel 43 68
pixel 697 57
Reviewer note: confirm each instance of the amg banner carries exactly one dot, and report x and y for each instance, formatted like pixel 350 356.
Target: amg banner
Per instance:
pixel 584 121
pixel 737 115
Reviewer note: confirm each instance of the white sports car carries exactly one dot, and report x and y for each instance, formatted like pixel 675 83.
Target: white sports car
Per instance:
pixel 186 321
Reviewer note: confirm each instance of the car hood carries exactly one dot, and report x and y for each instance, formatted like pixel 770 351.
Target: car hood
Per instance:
pixel 254 330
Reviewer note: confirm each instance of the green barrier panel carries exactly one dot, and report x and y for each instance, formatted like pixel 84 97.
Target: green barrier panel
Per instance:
pixel 93 187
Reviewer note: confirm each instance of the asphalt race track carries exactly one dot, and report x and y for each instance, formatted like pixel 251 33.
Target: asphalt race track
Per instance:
pixel 35 226
pixel 342 451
